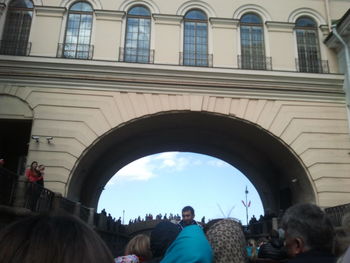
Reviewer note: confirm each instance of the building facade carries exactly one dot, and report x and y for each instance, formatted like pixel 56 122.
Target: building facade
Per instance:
pixel 94 85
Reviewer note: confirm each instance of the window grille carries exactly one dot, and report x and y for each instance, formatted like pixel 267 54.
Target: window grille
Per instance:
pixel 78 33
pixel 252 43
pixel 309 59
pixel 17 28
pixel 195 52
pixel 138 34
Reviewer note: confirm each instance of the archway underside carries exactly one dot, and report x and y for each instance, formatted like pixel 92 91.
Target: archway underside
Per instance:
pixel 270 165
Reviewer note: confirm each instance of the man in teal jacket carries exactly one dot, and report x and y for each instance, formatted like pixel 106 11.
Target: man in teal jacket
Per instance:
pixel 190 246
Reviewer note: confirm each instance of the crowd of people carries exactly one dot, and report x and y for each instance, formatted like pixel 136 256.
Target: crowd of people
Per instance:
pixel 306 235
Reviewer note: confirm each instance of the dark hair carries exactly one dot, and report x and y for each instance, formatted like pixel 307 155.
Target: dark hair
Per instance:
pixel 162 236
pixel 309 222
pixel 31 165
pixel 52 238
pixel 188 208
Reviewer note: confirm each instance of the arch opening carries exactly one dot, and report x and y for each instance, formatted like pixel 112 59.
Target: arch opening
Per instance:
pixel 164 183
pixel 276 172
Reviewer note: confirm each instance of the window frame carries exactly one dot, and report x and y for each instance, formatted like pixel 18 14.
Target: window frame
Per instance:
pixel 257 55
pixel 90 47
pixel 138 57
pixel 195 53
pixel 11 43
pixel 308 62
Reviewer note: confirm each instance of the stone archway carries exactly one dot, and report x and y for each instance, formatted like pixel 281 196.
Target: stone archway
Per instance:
pixel 277 173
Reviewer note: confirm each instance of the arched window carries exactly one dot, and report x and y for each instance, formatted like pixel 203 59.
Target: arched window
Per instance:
pixel 138 35
pixel 252 43
pixel 309 59
pixel 78 32
pixel 195 50
pixel 17 28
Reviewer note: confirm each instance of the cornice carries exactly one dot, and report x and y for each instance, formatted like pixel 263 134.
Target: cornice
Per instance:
pixel 324 29
pixel 51 11
pixel 109 15
pixel 167 19
pixel 274 26
pixel 224 23
pixel 101 75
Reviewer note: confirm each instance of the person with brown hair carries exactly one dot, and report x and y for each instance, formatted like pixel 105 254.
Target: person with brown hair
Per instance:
pixel 137 250
pixel 52 238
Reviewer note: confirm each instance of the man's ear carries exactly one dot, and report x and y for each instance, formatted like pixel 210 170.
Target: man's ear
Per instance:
pixel 299 245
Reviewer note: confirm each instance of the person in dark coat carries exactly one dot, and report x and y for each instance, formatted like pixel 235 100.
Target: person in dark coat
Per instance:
pixel 309 234
pixel 161 238
pixel 273 249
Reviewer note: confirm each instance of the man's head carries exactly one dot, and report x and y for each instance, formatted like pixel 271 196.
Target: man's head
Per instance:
pixel 187 214
pixel 307 227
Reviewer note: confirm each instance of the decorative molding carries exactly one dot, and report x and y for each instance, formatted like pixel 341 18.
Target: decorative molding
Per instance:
pixel 50 11
pixel 151 5
pixel 167 19
pixel 274 26
pixel 306 12
pixel 196 4
pixel 224 23
pixel 61 73
pixel 109 15
pixel 324 29
pixel 252 8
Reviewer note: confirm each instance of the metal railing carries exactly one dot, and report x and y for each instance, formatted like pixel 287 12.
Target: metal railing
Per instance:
pixel 196 59
pixel 336 213
pixel 76 51
pixel 8 186
pixel 136 55
pixel 67 205
pixel 254 62
pixel 38 199
pixel 16 48
pixel 84 213
pixel 312 66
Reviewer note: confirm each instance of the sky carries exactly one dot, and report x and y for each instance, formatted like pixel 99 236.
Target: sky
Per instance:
pixel 166 182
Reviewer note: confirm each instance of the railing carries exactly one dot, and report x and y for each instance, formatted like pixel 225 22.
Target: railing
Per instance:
pixel 136 55
pixel 37 198
pixel 67 205
pixel 312 66
pixel 84 213
pixel 195 59
pixel 8 186
pixel 17 48
pixel 76 51
pixel 254 62
pixel 336 213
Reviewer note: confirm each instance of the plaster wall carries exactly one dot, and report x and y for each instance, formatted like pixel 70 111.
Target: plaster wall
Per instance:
pixel 315 131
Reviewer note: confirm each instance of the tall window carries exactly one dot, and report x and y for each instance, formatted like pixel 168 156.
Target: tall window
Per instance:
pixel 308 46
pixel 78 32
pixel 252 42
pixel 17 27
pixel 195 51
pixel 138 35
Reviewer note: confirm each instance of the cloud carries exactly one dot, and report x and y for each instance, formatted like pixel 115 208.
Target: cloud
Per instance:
pixel 217 163
pixel 171 160
pixel 140 170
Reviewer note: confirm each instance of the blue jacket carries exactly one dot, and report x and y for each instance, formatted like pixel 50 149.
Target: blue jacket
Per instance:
pixel 190 246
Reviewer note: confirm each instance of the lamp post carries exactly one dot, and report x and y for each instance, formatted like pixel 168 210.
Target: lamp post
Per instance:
pixel 246 202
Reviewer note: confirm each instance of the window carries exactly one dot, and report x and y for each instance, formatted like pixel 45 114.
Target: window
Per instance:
pixel 195 51
pixel 17 28
pixel 252 43
pixel 78 32
pixel 138 34
pixel 308 46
